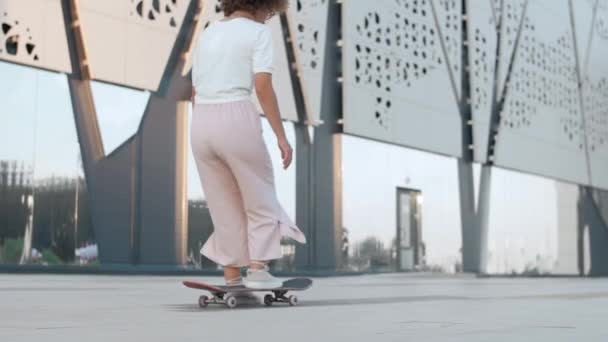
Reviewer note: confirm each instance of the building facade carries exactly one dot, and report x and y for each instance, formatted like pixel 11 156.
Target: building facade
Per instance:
pixel 468 116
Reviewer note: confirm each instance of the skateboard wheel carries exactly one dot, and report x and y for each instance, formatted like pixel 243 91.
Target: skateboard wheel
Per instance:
pixel 268 300
pixel 231 302
pixel 293 300
pixel 203 301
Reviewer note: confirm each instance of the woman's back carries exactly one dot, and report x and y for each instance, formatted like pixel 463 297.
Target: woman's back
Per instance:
pixel 228 54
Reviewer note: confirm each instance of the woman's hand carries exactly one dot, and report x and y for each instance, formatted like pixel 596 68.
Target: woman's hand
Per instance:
pixel 286 152
pixel 270 107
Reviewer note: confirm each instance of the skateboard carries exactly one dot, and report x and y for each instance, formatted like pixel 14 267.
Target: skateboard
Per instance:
pixel 220 293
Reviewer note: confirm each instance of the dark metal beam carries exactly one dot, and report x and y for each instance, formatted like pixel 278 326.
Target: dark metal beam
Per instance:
pixel 466 184
pixel 162 220
pixel 318 164
pixel 303 160
pixel 138 193
pixel 591 219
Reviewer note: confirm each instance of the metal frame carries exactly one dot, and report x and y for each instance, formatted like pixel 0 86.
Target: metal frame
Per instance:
pixel 475 220
pixel 318 164
pixel 135 225
pixel 590 217
pixel 131 225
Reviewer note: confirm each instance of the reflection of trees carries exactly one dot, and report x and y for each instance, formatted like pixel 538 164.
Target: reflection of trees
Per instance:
pixel 54 197
pixel 344 246
pixel 200 228
pixel 371 254
pixel 14 183
pixel 287 261
pixel 54 216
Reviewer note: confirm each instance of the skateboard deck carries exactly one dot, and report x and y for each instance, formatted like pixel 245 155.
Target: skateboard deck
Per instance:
pixel 223 294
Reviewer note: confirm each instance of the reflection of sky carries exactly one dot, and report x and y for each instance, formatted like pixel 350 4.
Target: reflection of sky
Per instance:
pixel 38 111
pixel 524 222
pixel 17 109
pixel 523 208
pixel 370 200
pixel 119 112
pixel 523 211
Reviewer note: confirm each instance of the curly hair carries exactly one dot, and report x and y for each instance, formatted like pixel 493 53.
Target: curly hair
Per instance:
pixel 251 6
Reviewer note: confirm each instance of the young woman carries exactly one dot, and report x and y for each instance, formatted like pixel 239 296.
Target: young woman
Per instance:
pixel 232 56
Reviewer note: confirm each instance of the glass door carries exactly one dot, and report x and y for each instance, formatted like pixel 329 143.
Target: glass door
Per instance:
pixel 409 241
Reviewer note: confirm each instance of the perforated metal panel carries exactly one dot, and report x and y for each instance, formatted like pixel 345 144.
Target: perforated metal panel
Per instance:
pixel 482 37
pixel 212 11
pixel 541 127
pixel 510 18
pixel 281 77
pixel 582 15
pixel 449 18
pixel 128 42
pixel 396 82
pixel 32 32
pixel 308 24
pixel 595 99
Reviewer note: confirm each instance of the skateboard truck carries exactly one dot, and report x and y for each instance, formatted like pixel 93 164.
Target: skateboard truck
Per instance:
pixel 279 297
pixel 218 298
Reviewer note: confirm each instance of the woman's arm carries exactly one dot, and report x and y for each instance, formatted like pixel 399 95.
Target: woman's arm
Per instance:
pixel 268 101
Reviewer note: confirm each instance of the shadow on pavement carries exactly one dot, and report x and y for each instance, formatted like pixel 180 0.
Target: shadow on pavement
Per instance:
pixel 320 303
pixel 390 300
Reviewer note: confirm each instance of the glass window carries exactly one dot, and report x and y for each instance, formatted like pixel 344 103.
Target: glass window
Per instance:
pixel 119 112
pixel 42 179
pixel 370 206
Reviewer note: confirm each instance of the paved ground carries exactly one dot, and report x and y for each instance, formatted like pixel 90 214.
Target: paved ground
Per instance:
pixel 395 307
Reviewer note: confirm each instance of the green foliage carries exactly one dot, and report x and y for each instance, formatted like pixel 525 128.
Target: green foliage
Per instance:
pixel 11 250
pixel 50 258
pixel 54 224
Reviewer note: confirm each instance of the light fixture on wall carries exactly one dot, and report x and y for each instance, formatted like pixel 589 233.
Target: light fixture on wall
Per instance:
pixel 420 199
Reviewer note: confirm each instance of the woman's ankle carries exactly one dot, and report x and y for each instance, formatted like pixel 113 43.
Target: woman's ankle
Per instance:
pixel 231 273
pixel 234 281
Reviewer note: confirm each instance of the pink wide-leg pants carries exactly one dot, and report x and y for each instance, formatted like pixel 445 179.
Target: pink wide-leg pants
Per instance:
pixel 238 180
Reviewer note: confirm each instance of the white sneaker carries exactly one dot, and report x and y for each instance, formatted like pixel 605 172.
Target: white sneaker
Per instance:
pixel 261 279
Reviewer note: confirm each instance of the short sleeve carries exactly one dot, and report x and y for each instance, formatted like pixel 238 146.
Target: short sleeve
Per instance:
pixel 263 52
pixel 195 62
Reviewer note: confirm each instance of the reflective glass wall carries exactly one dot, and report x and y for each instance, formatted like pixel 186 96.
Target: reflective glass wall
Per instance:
pixel 40 157
pixel 533 220
pixel 42 190
pixel 370 207
pixel 533 225
pixel 119 112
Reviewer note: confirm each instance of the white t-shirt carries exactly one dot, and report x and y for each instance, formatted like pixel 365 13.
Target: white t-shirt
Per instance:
pixel 227 56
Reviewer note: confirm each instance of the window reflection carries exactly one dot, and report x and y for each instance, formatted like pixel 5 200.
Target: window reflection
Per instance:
pixel 40 164
pixel 371 240
pixel 119 112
